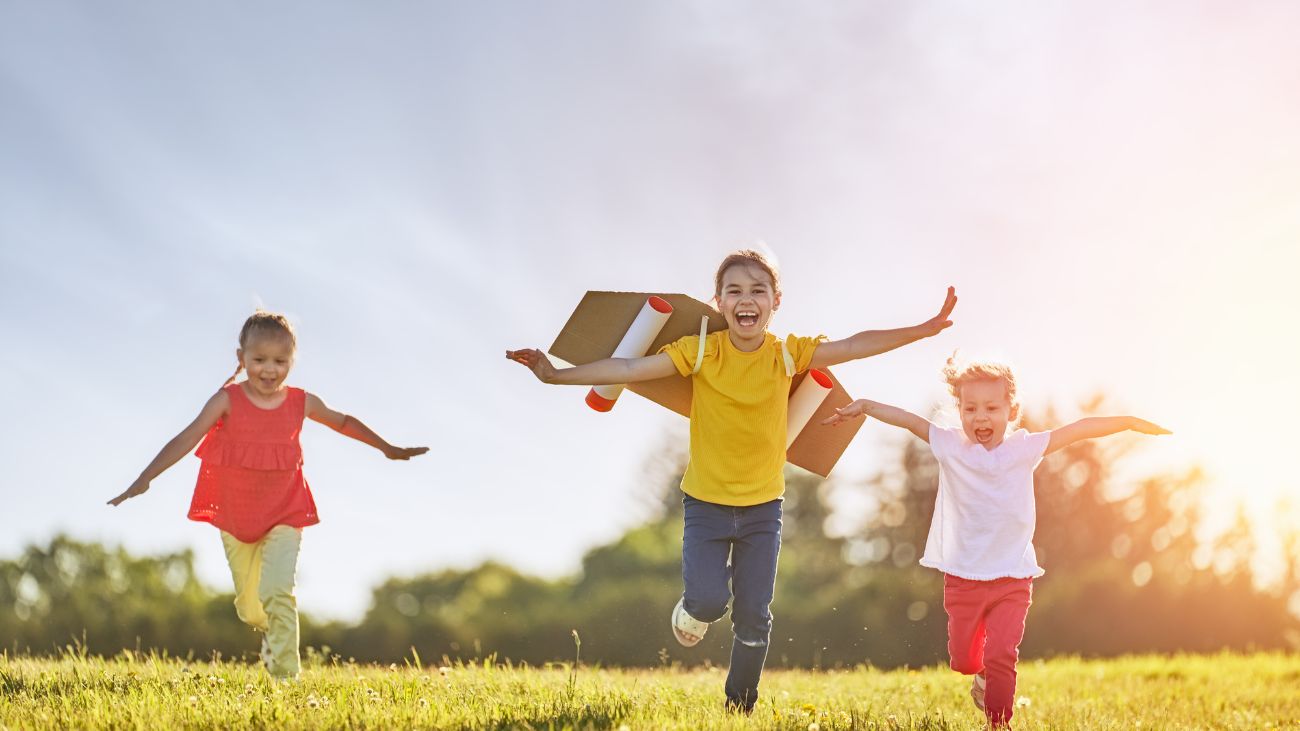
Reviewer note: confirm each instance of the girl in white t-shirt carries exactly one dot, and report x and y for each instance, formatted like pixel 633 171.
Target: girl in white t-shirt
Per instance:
pixel 981 536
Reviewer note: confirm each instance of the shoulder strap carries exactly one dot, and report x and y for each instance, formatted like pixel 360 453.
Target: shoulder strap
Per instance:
pixel 789 360
pixel 704 333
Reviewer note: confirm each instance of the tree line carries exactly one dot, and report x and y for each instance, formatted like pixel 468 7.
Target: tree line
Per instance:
pixel 1126 573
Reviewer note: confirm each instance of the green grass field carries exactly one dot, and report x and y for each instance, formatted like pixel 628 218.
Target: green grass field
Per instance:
pixel 1227 691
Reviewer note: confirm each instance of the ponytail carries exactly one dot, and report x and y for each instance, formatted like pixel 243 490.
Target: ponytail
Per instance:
pixel 233 376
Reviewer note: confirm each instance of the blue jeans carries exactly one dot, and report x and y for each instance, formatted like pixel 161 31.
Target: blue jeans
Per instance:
pixel 740 544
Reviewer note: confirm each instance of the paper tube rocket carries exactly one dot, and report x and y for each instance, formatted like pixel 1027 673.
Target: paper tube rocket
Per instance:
pixel 805 401
pixel 635 343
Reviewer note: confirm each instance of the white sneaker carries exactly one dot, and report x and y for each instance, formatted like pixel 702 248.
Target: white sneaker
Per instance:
pixel 687 629
pixel 977 685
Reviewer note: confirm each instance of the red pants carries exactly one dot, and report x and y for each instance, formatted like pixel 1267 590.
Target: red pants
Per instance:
pixel 986 621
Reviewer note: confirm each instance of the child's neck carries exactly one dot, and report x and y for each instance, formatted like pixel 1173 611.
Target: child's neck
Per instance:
pixel 265 400
pixel 747 345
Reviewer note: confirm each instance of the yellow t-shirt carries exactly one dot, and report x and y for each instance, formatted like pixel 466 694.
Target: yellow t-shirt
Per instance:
pixel 738 411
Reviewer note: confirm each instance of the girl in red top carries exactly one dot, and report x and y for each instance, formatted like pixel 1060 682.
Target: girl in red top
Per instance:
pixel 251 484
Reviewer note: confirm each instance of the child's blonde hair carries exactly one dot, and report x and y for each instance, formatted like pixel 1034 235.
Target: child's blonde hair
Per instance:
pixel 956 374
pixel 262 323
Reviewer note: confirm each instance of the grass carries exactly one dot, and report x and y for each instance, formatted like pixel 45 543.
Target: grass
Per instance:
pixel 1227 691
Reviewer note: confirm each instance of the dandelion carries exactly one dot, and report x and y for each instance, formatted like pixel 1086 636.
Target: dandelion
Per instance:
pixel 814 726
pixel 809 708
pixel 312 702
pixel 1022 702
pixel 444 670
pixel 248 687
pixel 194 700
pixel 424 702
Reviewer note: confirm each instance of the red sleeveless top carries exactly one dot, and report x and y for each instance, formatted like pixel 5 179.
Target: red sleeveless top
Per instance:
pixel 251 478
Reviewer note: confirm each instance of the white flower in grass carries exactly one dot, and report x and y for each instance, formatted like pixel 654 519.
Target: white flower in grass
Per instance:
pixel 424 702
pixel 1022 702
pixel 312 702
pixel 814 726
pixel 194 700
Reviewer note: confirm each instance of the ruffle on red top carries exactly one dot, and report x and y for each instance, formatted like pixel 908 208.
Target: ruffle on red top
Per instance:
pixel 216 450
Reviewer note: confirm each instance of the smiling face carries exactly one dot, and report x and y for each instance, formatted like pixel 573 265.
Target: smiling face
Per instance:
pixel 747 299
pixel 986 410
pixel 267 359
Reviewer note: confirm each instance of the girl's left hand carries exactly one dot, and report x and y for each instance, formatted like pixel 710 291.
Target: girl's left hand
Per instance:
pixel 404 453
pixel 940 322
pixel 139 487
pixel 1145 427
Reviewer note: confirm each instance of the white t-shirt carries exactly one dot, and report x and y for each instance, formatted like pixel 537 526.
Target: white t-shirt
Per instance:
pixel 983 525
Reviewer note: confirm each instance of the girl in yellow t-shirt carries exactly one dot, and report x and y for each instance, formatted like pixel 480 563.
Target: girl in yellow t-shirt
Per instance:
pixel 734 481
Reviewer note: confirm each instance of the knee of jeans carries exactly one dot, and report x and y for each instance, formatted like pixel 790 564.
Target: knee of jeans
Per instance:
pixel 708 608
pixel 754 615
pixel 751 630
pixel 964 665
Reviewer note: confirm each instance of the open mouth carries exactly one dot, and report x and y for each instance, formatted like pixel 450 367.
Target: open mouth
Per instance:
pixel 746 318
pixel 983 435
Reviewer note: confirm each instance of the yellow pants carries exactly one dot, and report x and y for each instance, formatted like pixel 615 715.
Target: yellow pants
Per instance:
pixel 264 577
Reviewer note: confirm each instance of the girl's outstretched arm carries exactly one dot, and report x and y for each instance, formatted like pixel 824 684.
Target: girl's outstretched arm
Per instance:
pixel 891 415
pixel 1099 426
pixel 874 342
pixel 351 426
pixel 596 373
pixel 179 446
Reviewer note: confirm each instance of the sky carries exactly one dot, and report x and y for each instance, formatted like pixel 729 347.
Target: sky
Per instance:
pixel 1114 192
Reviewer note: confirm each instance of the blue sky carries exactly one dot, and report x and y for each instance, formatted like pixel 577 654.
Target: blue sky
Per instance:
pixel 423 185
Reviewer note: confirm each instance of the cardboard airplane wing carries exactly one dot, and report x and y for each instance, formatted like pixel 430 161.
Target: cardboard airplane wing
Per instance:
pixel 606 324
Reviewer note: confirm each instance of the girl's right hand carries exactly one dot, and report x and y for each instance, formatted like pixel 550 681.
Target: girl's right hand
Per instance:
pixel 852 411
pixel 139 487
pixel 1142 426
pixel 536 361
pixel 404 453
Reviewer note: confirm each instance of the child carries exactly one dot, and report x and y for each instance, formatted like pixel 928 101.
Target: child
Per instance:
pixel 734 482
pixel 251 484
pixel 981 536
